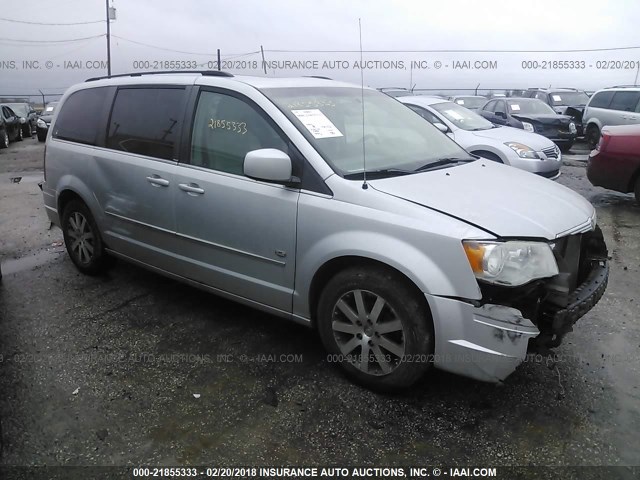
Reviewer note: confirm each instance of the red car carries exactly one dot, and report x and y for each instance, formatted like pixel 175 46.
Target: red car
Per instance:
pixel 615 163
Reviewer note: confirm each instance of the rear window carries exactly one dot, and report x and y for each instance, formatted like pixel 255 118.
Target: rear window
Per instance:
pixel 79 119
pixel 601 99
pixel 625 101
pixel 146 121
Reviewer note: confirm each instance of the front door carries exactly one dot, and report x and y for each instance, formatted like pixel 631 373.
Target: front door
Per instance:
pixel 237 234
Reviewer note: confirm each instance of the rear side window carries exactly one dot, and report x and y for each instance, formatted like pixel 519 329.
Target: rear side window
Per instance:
pixel 80 117
pixel 601 99
pixel 625 101
pixel 146 121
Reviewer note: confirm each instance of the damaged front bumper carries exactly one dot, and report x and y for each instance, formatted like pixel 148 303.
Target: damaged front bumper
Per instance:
pixel 487 340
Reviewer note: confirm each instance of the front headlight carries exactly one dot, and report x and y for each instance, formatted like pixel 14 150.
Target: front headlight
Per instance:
pixel 528 127
pixel 572 128
pixel 510 263
pixel 41 123
pixel 522 150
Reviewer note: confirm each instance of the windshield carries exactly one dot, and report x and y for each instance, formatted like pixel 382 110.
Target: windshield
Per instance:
pixel 20 108
pixel 531 106
pixel 569 98
pixel 462 117
pixel 471 102
pixel 394 136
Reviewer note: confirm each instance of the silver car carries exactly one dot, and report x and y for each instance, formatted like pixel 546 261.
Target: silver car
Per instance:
pixel 610 106
pixel 477 135
pixel 384 235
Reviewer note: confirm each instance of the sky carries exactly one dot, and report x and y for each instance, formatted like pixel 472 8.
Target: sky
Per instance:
pixel 396 39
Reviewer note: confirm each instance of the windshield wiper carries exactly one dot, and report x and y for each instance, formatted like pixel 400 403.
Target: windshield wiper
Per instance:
pixel 380 173
pixel 444 162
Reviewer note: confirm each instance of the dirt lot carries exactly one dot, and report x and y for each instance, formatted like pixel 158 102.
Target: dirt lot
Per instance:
pixel 106 371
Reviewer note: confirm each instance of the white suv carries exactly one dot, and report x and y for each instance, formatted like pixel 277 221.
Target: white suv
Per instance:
pixel 611 106
pixel 400 248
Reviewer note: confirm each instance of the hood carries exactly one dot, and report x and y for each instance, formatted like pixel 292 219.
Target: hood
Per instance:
pixel 510 134
pixel 543 119
pixel 502 200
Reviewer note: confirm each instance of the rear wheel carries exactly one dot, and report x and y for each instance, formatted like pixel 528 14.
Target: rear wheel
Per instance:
pixel 82 239
pixel 593 136
pixel 376 326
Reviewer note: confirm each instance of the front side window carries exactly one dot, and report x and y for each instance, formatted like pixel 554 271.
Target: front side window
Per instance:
pixel 225 129
pixel 394 137
pixel 426 114
pixel 625 101
pixel 146 121
pixel 80 118
pixel 462 117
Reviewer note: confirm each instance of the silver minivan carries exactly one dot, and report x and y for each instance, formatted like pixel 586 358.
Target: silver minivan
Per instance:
pixel 331 205
pixel 609 107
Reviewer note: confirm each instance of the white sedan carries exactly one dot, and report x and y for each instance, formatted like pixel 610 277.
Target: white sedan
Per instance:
pixel 511 146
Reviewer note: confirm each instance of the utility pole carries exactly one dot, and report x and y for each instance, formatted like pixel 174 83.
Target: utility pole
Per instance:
pixel 108 40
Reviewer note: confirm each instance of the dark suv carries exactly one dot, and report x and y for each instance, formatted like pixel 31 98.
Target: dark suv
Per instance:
pixel 565 101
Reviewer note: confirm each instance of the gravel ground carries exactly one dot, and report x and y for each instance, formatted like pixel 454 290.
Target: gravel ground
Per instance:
pixel 132 368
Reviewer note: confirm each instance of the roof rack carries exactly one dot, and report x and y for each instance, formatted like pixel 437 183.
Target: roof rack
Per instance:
pixel 208 73
pixel 382 89
pixel 625 86
pixel 317 76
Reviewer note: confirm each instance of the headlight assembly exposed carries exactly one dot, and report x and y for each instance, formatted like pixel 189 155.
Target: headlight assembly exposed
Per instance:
pixel 528 127
pixel 41 123
pixel 572 128
pixel 522 150
pixel 510 263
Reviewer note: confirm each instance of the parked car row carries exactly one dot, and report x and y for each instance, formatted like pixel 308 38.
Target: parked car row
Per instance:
pixel 20 120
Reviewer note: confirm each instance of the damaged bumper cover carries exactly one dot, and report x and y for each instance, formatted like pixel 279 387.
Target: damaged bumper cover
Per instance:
pixel 488 342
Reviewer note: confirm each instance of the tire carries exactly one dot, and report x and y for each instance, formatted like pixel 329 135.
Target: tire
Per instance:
pixel 27 132
pixel 19 136
pixel 82 239
pixel 565 147
pixel 593 136
pixel 397 341
pixel 42 136
pixel 4 139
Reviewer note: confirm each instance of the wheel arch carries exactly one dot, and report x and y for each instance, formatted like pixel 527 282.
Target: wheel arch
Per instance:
pixel 338 264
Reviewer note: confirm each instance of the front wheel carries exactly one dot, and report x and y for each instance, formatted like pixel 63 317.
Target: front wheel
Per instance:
pixel 4 139
pixel 82 239
pixel 376 326
pixel 593 136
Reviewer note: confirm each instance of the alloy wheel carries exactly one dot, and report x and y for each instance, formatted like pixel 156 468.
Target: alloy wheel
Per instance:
pixel 368 332
pixel 82 238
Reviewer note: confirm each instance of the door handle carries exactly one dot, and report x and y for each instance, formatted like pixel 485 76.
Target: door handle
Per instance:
pixel 191 188
pixel 157 181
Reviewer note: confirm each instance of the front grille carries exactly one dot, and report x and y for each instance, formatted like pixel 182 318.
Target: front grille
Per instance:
pixel 552 152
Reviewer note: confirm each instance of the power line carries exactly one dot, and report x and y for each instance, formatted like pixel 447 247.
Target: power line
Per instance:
pixel 50 24
pixel 178 51
pixel 458 51
pixel 50 41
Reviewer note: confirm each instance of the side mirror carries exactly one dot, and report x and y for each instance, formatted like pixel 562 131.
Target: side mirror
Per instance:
pixel 441 126
pixel 269 165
